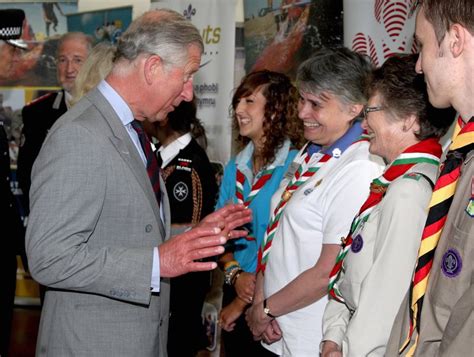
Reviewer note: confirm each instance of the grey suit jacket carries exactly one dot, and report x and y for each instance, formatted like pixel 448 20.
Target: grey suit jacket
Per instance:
pixel 93 224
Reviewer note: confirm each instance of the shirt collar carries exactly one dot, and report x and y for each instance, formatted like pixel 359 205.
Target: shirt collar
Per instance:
pixel 120 107
pixel 169 152
pixel 341 144
pixel 243 160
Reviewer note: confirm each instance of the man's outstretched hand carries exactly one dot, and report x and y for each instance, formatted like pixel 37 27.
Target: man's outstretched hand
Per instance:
pixel 228 218
pixel 179 254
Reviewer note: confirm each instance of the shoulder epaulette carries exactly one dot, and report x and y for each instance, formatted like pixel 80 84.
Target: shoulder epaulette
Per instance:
pixel 417 175
pixel 40 99
pixel 413 175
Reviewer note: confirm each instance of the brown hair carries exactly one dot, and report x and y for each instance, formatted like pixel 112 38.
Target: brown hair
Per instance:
pixel 403 93
pixel 280 112
pixel 443 13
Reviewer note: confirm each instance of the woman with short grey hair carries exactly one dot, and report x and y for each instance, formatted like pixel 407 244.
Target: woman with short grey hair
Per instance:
pixel 314 205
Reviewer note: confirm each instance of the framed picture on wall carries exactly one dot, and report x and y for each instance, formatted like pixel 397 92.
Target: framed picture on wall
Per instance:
pixel 102 25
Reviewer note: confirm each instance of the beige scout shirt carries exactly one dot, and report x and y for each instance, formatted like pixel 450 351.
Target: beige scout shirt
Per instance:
pixel 379 266
pixel 447 321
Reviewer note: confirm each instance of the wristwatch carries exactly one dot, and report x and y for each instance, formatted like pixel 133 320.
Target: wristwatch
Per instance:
pixel 266 310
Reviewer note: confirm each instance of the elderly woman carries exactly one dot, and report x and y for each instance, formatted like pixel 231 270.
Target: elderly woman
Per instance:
pixel 265 113
pixel 314 205
pixel 377 258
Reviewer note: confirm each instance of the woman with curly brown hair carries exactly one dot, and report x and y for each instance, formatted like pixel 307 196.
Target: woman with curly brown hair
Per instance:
pixel 265 113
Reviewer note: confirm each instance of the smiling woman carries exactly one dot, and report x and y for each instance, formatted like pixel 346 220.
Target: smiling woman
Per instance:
pixel 314 205
pixel 265 114
pixel 379 253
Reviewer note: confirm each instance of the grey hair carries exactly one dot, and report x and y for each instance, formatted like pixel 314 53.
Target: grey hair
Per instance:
pixel 339 71
pixel 79 36
pixel 163 32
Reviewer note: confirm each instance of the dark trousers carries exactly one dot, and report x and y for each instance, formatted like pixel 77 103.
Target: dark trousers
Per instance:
pixel 239 342
pixel 186 333
pixel 7 297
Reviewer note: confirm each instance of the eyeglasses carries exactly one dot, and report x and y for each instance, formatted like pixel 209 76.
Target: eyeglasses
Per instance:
pixel 372 109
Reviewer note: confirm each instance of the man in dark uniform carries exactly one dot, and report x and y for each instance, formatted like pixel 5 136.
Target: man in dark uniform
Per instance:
pixel 41 114
pixel 192 189
pixel 11 22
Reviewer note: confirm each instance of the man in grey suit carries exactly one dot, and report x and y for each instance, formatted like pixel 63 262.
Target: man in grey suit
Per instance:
pixel 97 236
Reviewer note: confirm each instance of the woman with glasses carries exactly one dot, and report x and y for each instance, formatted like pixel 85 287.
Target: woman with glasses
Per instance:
pixel 374 266
pixel 314 205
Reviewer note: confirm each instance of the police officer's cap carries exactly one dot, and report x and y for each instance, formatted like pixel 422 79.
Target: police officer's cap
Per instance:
pixel 11 24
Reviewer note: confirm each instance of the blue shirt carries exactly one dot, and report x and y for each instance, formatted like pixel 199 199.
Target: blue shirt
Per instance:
pixel 245 252
pixel 123 111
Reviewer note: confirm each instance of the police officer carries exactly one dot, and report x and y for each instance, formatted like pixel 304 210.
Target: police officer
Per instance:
pixel 12 233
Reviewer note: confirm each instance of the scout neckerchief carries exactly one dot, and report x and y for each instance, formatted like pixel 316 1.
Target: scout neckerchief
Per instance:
pixel 258 184
pixel 445 187
pixel 301 175
pixel 426 151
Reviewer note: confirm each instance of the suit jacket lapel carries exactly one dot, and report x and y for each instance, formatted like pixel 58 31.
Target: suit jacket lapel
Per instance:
pixel 166 209
pixel 125 147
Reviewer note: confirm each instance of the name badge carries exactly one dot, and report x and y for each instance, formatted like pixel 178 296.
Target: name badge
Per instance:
pixel 291 170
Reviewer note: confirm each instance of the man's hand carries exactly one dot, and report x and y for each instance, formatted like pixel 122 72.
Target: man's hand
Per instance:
pixel 228 218
pixel 178 254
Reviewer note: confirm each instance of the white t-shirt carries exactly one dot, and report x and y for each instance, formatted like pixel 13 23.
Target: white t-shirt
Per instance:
pixel 319 212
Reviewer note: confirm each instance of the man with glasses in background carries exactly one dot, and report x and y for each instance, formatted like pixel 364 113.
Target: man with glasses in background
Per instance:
pixel 40 115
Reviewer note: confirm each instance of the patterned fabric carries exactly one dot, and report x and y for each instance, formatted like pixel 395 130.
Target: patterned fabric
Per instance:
pixel 354 135
pixel 444 190
pixel 10 32
pixel 255 189
pixel 427 151
pixel 246 251
pixel 190 183
pixel 302 174
pixel 152 167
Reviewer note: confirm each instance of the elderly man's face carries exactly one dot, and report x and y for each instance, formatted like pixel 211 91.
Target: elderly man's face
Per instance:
pixel 9 56
pixel 175 85
pixel 71 56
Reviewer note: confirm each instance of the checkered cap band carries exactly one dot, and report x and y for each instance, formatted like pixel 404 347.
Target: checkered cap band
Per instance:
pixel 11 23
pixel 8 33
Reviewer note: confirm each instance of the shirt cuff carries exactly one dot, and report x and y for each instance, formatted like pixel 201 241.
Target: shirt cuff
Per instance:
pixel 155 272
